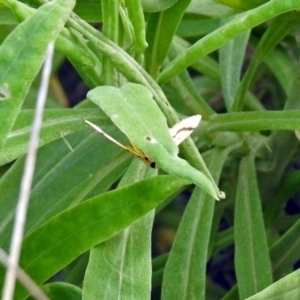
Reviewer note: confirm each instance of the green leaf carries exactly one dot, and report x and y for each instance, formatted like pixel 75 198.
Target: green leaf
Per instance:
pixel 242 5
pixel 284 253
pixel 209 8
pixel 277 30
pixel 157 5
pixel 90 223
pixel 89 10
pixel 57 123
pixel 256 121
pixel 224 34
pixel 231 62
pixel 134 111
pixel 184 275
pixel 285 288
pixel 19 68
pixel 61 291
pixel 63 181
pixel 127 251
pixel 252 261
pixel 161 28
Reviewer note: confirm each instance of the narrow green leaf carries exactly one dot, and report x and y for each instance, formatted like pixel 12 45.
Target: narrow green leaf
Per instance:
pixel 277 30
pixel 61 291
pixel 256 121
pixel 252 261
pixel 19 68
pixel 231 62
pixel 62 181
pixel 287 189
pixel 285 288
pixel 184 275
pixel 155 6
pixel 129 252
pixel 224 34
pixel 285 252
pixel 161 28
pixel 57 123
pixel 242 5
pixel 137 19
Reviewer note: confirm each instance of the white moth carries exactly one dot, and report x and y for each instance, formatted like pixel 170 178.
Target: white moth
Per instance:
pixel 179 132
pixel 183 129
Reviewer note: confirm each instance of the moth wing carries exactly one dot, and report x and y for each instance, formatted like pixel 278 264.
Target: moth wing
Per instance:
pixel 183 129
pixel 98 129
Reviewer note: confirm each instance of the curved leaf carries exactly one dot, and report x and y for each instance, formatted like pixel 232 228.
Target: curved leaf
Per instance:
pixel 90 223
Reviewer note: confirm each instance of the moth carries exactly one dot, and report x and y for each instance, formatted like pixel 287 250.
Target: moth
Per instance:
pixel 179 132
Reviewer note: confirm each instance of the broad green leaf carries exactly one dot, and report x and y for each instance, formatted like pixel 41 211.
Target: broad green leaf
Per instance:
pixel 127 251
pixel 19 68
pixel 134 111
pixel 57 123
pixel 285 288
pixel 90 223
pixel 252 260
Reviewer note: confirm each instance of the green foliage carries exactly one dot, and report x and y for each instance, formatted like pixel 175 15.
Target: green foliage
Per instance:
pixel 93 206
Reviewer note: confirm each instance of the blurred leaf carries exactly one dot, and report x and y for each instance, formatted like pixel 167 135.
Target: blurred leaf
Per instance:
pixel 278 29
pixel 62 291
pixel 152 6
pixel 89 10
pixel 242 5
pixel 209 8
pixel 284 253
pixel 285 288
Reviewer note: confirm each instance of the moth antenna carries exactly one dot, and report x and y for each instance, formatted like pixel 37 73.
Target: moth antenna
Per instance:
pixel 97 128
